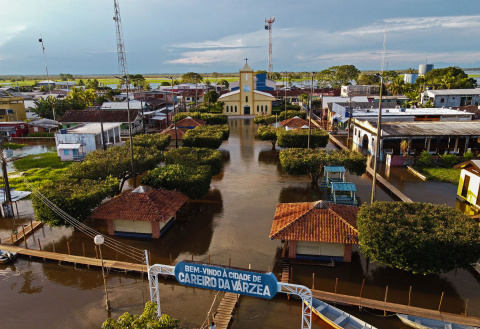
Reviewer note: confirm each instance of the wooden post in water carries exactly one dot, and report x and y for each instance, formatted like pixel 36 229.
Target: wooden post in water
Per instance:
pixel 96 252
pixel 291 275
pixel 83 248
pixel 24 237
pixel 208 259
pixel 68 247
pixel 385 300
pixel 53 245
pixel 361 293
pixel 466 305
pixel 39 244
pixel 409 295
pixel 269 268
pixel 336 284
pixel 441 299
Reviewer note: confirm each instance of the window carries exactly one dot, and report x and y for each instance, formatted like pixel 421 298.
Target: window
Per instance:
pixel 442 100
pixel 246 76
pixel 266 108
pixel 246 99
pixel 66 152
pixel 466 183
pixel 35 129
pixel 235 108
pixel 262 108
pixel 227 108
pixel 75 152
pixel 258 108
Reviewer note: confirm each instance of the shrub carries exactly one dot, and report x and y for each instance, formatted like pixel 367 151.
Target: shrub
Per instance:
pixel 449 160
pixel 214 119
pixel 265 119
pixel 268 133
pixel 182 115
pixel 468 155
pixel 418 237
pixel 195 156
pixel 191 180
pixel 207 136
pixel 160 141
pixel 424 160
pixel 13 146
pixel 292 111
pixel 41 135
pixel 298 138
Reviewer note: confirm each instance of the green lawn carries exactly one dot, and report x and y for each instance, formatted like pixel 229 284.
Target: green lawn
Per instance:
pixel 13 146
pixel 44 160
pixel 448 175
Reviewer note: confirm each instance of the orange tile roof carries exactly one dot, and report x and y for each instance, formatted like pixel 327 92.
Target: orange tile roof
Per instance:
pixel 171 131
pixel 294 122
pixel 190 122
pixel 148 204
pixel 315 221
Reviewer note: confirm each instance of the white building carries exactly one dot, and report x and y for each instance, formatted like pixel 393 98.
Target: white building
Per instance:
pixel 74 143
pixel 451 97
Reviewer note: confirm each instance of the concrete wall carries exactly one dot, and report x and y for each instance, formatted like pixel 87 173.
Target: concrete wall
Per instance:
pixel 17 105
pixel 87 140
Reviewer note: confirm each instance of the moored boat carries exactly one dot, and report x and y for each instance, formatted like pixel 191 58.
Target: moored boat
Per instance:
pixel 7 256
pixel 426 323
pixel 337 318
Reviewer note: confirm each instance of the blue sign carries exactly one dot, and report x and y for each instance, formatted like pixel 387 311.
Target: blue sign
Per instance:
pixel 228 279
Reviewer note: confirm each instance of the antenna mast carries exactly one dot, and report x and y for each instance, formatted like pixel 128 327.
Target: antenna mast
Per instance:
pixel 122 58
pixel 268 26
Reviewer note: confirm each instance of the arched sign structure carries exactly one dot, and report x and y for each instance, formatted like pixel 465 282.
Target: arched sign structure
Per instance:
pixel 229 279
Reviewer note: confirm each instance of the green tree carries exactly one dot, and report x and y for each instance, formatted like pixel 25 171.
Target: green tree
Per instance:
pixel 195 156
pixel 260 72
pixel 265 119
pixel 268 133
pixel 224 83
pixel 302 161
pixel 396 86
pixel 165 83
pixel 304 98
pixel 336 76
pixel 192 77
pixel 298 138
pixel 368 79
pixel 137 80
pixel 418 237
pixel 206 136
pixel 447 78
pixel 211 96
pixel 194 181
pixel 45 110
pixel 148 320
pixel 81 83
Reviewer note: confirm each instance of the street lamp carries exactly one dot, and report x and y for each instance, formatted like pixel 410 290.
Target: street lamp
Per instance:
pixel 174 116
pixel 99 239
pixel 379 138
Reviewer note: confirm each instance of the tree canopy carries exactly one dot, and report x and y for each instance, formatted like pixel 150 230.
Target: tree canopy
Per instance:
pixel 298 138
pixel 147 320
pixel 336 76
pixel 195 156
pixel 418 237
pixel 368 79
pixel 211 96
pixel 45 110
pixel 268 133
pixel 206 136
pixel 448 78
pixel 301 161
pixel 192 77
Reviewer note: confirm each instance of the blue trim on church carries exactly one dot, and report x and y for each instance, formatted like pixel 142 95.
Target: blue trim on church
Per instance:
pixel 261 83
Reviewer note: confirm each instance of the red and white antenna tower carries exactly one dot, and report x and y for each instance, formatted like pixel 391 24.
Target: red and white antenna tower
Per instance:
pixel 268 26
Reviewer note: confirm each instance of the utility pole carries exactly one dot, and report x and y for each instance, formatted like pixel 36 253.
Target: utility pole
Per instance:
pixel 7 205
pixel 379 125
pixel 48 79
pixel 310 113
pixel 285 86
pixel 174 116
pixel 268 26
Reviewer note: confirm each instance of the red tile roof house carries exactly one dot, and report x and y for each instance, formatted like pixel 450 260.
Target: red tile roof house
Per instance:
pixel 171 131
pixel 189 123
pixel 316 230
pixel 294 123
pixel 142 212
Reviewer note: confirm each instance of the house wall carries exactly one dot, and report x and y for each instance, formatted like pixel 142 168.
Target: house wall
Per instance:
pixel 314 248
pixel 35 129
pixel 347 255
pixel 472 193
pixel 87 140
pixel 17 105
pixel 292 249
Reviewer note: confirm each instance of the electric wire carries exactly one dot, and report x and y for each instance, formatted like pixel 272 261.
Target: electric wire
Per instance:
pixel 125 249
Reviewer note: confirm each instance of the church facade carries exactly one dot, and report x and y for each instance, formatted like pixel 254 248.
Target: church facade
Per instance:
pixel 246 100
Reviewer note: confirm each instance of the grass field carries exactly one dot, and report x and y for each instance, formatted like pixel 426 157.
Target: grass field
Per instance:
pixel 448 175
pixel 44 160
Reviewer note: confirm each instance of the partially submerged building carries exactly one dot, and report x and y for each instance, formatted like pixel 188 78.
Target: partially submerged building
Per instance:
pixel 469 183
pixel 316 230
pixel 142 212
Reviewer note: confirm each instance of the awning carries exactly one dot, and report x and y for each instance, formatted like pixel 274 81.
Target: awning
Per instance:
pixel 159 117
pixel 66 146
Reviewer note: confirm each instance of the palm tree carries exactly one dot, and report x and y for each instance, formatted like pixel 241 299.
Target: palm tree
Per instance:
pixel 397 86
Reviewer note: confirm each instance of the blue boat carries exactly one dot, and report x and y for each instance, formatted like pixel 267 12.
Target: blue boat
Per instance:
pixel 7 256
pixel 425 323
pixel 337 318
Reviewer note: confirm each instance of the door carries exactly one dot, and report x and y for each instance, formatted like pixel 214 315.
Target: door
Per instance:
pixel 246 110
pixel 466 182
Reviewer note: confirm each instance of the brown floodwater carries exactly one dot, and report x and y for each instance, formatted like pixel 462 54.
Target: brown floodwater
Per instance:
pixel 232 222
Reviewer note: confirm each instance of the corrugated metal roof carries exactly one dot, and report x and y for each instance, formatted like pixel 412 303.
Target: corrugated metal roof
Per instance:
pixel 346 187
pixel 430 128
pixel 446 92
pixel 334 169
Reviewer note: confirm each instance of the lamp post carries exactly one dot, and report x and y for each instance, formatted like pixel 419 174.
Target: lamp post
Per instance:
pixel 99 241
pixel 174 117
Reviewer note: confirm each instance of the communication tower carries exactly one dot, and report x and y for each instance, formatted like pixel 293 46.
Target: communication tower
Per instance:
pixel 268 26
pixel 122 58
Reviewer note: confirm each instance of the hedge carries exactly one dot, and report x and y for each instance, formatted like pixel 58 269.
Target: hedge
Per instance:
pixel 209 118
pixel 160 141
pixel 268 133
pixel 206 136
pixel 298 138
pixel 195 156
pixel 190 180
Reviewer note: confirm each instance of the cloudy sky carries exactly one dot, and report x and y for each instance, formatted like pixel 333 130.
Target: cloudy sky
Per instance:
pixel 178 36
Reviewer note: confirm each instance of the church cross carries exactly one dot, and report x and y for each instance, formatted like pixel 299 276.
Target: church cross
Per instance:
pixel 246 60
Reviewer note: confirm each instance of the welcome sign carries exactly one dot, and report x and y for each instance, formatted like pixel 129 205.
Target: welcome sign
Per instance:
pixel 228 279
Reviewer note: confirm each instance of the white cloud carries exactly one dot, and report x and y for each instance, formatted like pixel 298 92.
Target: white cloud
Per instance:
pixel 401 24
pixel 209 56
pixel 10 32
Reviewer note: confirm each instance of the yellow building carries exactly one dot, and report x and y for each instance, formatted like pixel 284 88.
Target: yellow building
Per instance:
pixel 469 184
pixel 12 108
pixel 246 100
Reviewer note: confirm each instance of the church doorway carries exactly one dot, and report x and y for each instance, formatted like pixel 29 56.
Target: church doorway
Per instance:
pixel 246 110
pixel 365 142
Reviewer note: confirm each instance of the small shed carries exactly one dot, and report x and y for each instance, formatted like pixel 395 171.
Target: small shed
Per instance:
pixel 333 174
pixel 71 151
pixel 142 212
pixel 42 125
pixel 344 193
pixel 316 230
pixel 293 123
pixel 171 131
pixel 469 184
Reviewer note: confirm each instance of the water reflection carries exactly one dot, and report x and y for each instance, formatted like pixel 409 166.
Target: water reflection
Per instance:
pixel 270 157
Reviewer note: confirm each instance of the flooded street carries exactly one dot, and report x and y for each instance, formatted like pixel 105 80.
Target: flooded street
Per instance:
pixel 232 223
